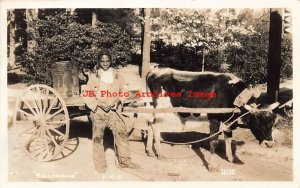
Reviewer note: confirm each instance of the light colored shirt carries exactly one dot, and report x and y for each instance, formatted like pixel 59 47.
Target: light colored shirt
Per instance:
pixel 107 76
pixel 95 83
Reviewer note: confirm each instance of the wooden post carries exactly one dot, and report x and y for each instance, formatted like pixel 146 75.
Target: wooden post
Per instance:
pixel 274 59
pixel 146 44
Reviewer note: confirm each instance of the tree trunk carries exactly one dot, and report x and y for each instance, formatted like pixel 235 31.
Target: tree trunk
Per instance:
pixel 12 40
pixel 94 19
pixel 146 44
pixel 274 59
pixel 32 32
pixel 70 11
pixel 203 61
pixel 142 24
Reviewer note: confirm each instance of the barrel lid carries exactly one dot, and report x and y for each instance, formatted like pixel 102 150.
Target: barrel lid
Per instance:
pixel 62 64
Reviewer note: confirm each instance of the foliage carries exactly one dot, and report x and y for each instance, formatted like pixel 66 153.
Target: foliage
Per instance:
pixel 62 39
pixel 249 62
pixel 177 57
pixel 21 34
pixel 287 60
pixel 228 40
pixel 232 40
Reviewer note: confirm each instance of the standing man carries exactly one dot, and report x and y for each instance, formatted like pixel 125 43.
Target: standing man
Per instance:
pixel 103 113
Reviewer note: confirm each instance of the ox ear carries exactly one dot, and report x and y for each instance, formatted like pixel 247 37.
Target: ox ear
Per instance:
pixel 256 93
pixel 273 106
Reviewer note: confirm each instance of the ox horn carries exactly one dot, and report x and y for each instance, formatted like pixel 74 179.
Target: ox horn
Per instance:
pixel 273 106
pixel 247 107
pixel 252 107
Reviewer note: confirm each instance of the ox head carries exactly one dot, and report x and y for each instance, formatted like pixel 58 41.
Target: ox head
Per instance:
pixel 260 122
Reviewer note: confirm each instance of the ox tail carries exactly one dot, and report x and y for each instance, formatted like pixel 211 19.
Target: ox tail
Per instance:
pixel 147 82
pixel 154 100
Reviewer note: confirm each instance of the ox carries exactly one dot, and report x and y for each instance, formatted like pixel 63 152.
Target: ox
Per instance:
pixel 227 91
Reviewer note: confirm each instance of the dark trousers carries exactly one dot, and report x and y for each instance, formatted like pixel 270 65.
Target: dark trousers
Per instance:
pixel 111 120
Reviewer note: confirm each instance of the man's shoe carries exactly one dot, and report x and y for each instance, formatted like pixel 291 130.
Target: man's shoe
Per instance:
pixel 101 170
pixel 130 165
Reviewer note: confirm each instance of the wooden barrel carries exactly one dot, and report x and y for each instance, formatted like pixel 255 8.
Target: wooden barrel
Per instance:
pixel 62 74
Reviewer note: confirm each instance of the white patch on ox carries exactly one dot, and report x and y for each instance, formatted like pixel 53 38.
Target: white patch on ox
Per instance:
pixel 166 121
pixel 170 122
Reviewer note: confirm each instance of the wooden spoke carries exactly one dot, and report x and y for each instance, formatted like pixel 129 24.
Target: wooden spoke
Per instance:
pixel 37 149
pixel 50 107
pixel 68 148
pixel 52 115
pixel 39 99
pixel 56 131
pixel 50 136
pixel 27 114
pixel 46 101
pixel 38 102
pixel 36 143
pixel 56 122
pixel 33 112
pixel 53 150
pixel 42 151
pixel 35 104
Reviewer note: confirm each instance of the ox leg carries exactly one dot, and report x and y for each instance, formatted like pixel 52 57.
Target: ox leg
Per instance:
pixel 149 144
pixel 157 145
pixel 228 140
pixel 214 127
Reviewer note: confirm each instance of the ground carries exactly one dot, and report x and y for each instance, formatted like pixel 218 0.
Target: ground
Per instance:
pixel 183 162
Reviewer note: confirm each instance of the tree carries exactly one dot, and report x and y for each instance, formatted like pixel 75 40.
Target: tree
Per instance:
pixel 63 39
pixel 274 58
pixel 236 40
pixel 146 43
pixel 12 39
pixel 32 32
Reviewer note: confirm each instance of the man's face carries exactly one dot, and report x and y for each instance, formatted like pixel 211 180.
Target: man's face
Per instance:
pixel 105 62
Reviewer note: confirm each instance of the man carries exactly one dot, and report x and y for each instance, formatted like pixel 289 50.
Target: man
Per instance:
pixel 104 114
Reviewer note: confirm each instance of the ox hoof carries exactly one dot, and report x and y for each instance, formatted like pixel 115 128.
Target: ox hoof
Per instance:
pixel 213 168
pixel 230 159
pixel 161 157
pixel 150 154
pixel 236 160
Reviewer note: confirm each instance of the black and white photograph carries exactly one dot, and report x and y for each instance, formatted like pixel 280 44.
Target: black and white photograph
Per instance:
pixel 149 94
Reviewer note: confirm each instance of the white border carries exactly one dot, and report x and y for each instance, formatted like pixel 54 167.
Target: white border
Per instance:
pixel 294 5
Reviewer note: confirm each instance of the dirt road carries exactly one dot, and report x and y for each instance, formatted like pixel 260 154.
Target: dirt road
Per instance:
pixel 182 163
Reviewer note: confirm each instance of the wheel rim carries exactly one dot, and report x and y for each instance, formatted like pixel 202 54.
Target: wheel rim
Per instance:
pixel 41 122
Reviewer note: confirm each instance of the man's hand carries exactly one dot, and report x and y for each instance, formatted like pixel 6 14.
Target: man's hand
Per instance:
pixel 104 106
pixel 116 104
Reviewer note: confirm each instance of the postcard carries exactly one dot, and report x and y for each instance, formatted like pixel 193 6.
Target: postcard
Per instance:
pixel 138 93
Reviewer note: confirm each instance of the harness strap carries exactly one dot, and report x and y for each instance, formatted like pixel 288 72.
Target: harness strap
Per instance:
pixel 223 127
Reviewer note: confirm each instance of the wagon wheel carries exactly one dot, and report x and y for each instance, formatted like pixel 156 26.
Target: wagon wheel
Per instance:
pixel 41 122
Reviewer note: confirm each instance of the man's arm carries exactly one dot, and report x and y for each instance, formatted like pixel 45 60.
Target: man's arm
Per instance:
pixel 122 88
pixel 91 101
